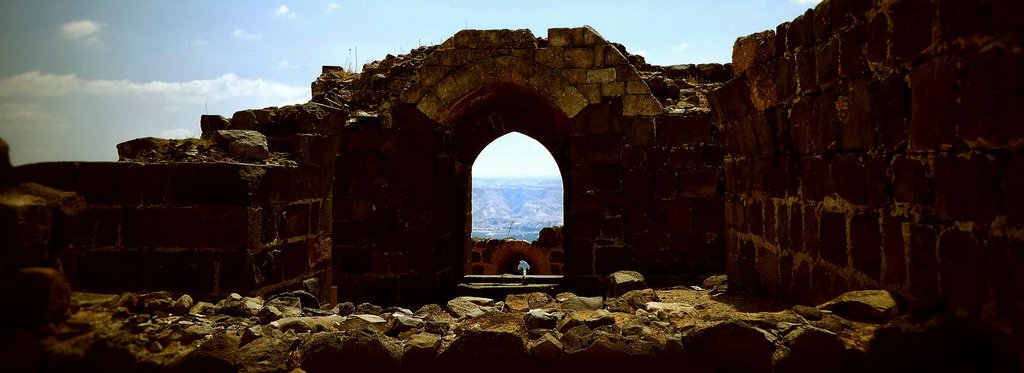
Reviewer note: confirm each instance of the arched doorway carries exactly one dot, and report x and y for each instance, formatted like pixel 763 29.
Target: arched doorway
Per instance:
pixel 516 194
pixel 489 113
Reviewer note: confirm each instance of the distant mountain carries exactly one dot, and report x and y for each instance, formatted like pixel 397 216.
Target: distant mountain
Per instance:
pixel 527 205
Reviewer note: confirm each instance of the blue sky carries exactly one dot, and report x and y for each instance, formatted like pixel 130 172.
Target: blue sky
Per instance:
pixel 78 77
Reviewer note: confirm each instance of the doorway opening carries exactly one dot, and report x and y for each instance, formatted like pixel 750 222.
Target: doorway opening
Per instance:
pixel 517 209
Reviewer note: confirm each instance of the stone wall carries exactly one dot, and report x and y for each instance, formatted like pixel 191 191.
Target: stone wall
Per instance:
pixel 496 257
pixel 880 147
pixel 641 184
pixel 207 229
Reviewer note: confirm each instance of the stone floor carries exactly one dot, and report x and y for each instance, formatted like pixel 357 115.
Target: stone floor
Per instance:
pixel 683 326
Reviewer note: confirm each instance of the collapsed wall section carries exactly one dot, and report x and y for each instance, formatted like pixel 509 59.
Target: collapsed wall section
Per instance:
pixel 880 147
pixel 203 228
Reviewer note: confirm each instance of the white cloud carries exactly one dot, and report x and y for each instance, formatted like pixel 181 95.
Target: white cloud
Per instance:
pixel 245 35
pixel 177 133
pixel 283 11
pixel 31 116
pixel 682 47
pixel 200 42
pixel 224 87
pixel 641 53
pixel 85 30
pixel 284 65
pixel 332 7
pixel 36 84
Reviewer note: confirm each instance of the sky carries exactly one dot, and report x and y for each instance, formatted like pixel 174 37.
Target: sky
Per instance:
pixel 78 77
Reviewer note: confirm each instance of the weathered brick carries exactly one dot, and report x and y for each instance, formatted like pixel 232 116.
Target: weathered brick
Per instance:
pixel 923 267
pixel 801 31
pixel 752 50
pixel 677 130
pixel 911 30
pixel 964 270
pixel 768 269
pixel 665 184
pixel 833 237
pixel 860 126
pixel 910 181
pixel 866 244
pixel 806 71
pixel 826 58
pixel 796 229
pixel 895 251
pixel 851 56
pixel 708 215
pixel 813 177
pixel 992 102
pixel 187 227
pixel 698 183
pixel 295 220
pixel 964 187
pixel 933 105
pixel 732 100
pixel 755 217
pixel 878 38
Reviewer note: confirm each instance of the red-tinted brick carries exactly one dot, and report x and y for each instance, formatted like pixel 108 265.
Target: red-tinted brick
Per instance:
pixel 833 237
pixel 964 271
pixel 895 251
pixel 965 187
pixel 923 269
pixel 866 244
pixel 933 104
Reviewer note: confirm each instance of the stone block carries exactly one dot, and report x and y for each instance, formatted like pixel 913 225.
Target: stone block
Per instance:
pixel 212 183
pixel 801 31
pixel 910 181
pixel 34 297
pixel 911 30
pixel 253 119
pixel 859 127
pixel 110 270
pixel 494 39
pixel 991 100
pixel 612 89
pixel 578 58
pixel 708 215
pixel 767 262
pixel 552 57
pixel 923 267
pixel 25 222
pixel 833 237
pixel 826 60
pixel 678 130
pixel 295 220
pixel 605 75
pixel 933 105
pixel 851 52
pixel 559 37
pixel 812 177
pixel 751 50
pixel 796 230
pixel 895 251
pixel 866 244
pixel 732 100
pixel 964 270
pixel 183 270
pixel 806 71
pixel 665 184
pixel 702 183
pixel 877 37
pixel 966 187
pixel 641 105
pixel 186 227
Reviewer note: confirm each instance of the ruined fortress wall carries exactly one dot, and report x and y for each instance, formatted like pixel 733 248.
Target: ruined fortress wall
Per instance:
pixel 641 186
pixel 880 147
pixel 206 229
